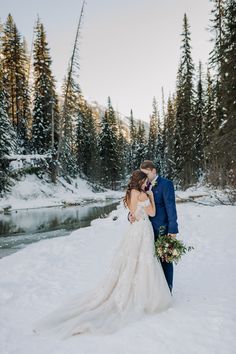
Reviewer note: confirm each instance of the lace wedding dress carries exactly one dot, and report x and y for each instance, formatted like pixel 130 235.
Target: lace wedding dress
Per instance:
pixel 134 287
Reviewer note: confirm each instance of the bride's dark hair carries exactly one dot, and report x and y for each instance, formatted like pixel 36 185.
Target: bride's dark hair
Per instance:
pixel 135 182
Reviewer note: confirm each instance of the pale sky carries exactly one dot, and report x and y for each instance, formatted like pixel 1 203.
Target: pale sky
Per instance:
pixel 129 49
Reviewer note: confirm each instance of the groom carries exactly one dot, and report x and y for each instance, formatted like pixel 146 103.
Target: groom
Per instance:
pixel 165 220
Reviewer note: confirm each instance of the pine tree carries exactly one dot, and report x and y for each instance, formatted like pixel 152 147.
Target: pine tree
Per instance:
pixel 1 39
pixel 218 12
pixel 81 137
pixel 225 148
pixel 67 147
pixel 217 54
pixel 87 157
pixel 209 123
pixel 153 133
pixel 228 67
pixel 185 125
pixel 168 141
pixel 112 118
pixel 71 98
pixel 7 135
pixel 132 143
pixel 159 161
pixel 16 83
pixel 161 133
pixel 108 147
pixel 199 119
pixel 123 149
pixel 141 150
pixel 45 112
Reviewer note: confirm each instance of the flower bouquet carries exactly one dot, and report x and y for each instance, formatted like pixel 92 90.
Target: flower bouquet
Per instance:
pixel 170 249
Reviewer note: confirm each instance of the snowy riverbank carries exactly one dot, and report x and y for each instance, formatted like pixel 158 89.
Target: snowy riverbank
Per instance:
pixel 42 276
pixel 32 192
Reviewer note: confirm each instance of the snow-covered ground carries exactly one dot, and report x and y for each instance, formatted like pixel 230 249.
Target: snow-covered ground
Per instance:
pixel 202 320
pixel 32 192
pixel 207 195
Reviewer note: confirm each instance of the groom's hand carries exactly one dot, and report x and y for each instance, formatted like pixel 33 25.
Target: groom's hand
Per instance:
pixel 131 218
pixel 172 235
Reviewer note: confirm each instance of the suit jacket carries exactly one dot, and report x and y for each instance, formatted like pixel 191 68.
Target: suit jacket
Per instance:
pixel 164 197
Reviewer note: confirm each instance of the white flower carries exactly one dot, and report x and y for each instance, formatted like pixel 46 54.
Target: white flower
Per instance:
pixel 175 253
pixel 154 183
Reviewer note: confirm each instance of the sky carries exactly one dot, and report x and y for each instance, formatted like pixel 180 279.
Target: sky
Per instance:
pixel 129 49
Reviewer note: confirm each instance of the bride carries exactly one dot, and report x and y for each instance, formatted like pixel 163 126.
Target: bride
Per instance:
pixel 135 285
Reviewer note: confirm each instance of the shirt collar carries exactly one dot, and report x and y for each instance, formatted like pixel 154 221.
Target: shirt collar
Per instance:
pixel 154 180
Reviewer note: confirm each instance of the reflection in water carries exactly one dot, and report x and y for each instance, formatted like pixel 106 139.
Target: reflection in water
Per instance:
pixel 27 226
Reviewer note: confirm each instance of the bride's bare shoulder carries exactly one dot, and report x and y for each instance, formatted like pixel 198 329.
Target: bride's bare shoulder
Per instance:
pixel 141 196
pixel 135 193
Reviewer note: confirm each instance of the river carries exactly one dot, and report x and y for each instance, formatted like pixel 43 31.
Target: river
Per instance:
pixel 22 227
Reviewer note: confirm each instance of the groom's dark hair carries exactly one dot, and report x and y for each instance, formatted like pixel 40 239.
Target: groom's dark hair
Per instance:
pixel 147 164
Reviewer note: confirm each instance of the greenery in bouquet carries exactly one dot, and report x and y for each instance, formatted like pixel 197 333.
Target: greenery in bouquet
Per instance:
pixel 170 249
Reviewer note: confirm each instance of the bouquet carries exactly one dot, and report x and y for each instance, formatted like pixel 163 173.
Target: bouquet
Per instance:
pixel 170 249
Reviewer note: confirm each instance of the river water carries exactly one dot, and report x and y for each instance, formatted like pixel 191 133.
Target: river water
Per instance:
pixel 22 227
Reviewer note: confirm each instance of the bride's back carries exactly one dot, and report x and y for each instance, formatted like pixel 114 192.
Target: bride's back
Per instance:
pixel 138 202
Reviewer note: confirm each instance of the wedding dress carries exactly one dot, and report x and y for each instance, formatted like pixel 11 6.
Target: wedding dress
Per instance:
pixel 135 286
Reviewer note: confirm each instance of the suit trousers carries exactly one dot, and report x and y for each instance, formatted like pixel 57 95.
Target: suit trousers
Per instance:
pixel 168 268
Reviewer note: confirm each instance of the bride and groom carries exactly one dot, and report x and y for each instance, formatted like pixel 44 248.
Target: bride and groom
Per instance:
pixel 137 283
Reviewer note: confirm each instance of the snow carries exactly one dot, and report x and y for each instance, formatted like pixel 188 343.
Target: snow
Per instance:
pixel 39 278
pixel 33 192
pixel 224 122
pixel 26 157
pixel 206 195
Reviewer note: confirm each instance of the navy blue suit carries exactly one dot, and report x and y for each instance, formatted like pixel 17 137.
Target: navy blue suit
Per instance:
pixel 164 197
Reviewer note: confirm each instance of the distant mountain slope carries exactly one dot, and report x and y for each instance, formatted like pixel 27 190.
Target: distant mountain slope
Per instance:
pixel 99 109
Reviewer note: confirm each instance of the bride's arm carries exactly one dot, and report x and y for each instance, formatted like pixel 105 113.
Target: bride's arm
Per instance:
pixel 134 201
pixel 151 209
